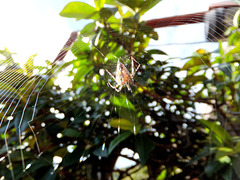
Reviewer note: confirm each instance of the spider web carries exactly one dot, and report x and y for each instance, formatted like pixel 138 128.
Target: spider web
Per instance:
pixel 27 140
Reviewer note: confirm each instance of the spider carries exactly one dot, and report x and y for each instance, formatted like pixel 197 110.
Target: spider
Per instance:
pixel 123 76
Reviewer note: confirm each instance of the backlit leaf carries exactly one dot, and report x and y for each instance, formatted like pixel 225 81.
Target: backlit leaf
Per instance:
pixel 99 4
pixel 235 50
pixel 28 66
pixel 89 29
pixel 236 19
pixel 80 48
pixel 122 101
pixel 111 2
pixel 223 151
pixel 79 10
pixel 122 124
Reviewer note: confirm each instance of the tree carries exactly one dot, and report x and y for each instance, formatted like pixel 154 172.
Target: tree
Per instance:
pixel 90 123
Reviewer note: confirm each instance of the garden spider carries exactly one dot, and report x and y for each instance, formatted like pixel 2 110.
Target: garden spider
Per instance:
pixel 123 76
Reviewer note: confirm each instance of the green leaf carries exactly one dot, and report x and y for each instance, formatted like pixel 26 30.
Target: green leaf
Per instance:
pixel 117 140
pixel 139 5
pixel 80 48
pixel 106 13
pixel 99 4
pixel 235 50
pixel 201 58
pixel 236 165
pixel 203 153
pixel 229 30
pixel 162 175
pixel 89 29
pixel 194 79
pixel 147 5
pixel 221 51
pixel 233 39
pixel 237 147
pixel 213 167
pixel 69 132
pixel 144 146
pixel 21 120
pixel 114 23
pixel 36 165
pixel 148 30
pixel 84 68
pixel 226 69
pixel 79 10
pixel 73 158
pixel 237 79
pixel 130 23
pixel 61 151
pixel 99 151
pixel 28 87
pixel 126 110
pixel 219 132
pixel 130 3
pixel 111 2
pixel 124 124
pixel 122 101
pixel 13 76
pixel 8 90
pixel 8 55
pixel 236 19
pixel 227 173
pixel 223 151
pixel 16 155
pixel 156 51
pixel 28 66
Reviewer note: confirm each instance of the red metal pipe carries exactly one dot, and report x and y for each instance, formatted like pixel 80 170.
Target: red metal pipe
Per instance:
pixel 66 47
pixel 176 20
pixel 226 4
pixel 188 18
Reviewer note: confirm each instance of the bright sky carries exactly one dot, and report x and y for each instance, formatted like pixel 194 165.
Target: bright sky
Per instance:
pixel 34 26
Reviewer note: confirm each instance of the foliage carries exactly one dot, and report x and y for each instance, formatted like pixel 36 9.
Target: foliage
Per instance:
pixel 158 121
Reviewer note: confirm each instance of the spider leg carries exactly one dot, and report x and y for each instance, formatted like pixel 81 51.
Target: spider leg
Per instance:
pixel 120 88
pixel 129 87
pixel 111 75
pixel 134 72
pixel 115 87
